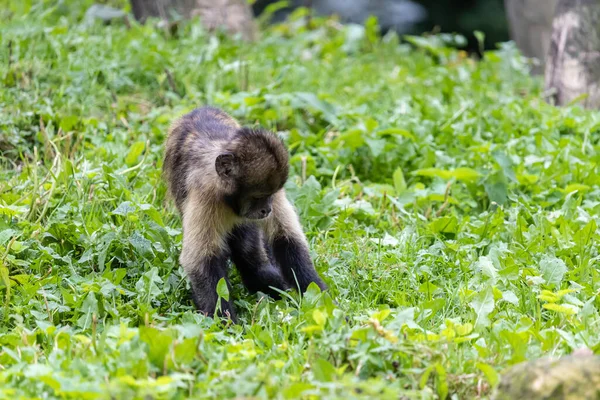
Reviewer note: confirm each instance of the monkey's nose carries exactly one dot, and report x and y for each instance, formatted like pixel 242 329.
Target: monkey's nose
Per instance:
pixel 265 211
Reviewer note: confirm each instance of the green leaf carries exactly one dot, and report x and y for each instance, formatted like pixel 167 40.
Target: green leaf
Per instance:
pixel 312 294
pixel 134 153
pixel 486 266
pixel 483 305
pixel 296 389
pixel 490 373
pixel 480 36
pixel 352 139
pixel 376 145
pixel 159 344
pixel 441 381
pixel 444 225
pixel 425 376
pixel 222 289
pixel 511 297
pixel 67 123
pixel 6 235
pixel 397 132
pixel 319 317
pixel 185 352
pixel 311 100
pixel 141 245
pixel 323 370
pixel 566 309
pixel 5 279
pixel 506 164
pixel 466 174
pixel 582 236
pixel 496 188
pixel 124 209
pixel 149 285
pixel 89 307
pixel 553 270
pixel 461 174
pixel 399 182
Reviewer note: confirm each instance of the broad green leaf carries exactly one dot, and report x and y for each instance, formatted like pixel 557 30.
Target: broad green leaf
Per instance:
pixel 376 146
pixel 553 270
pixel 584 236
pixel 319 317
pixel 483 305
pixel 185 352
pixel 6 235
pixel 134 152
pixel 323 370
pixel 444 225
pixel 124 209
pixel 222 289
pixel 159 344
pixel 490 373
pixel 296 389
pixel 141 245
pixel 311 100
pixel 67 123
pixel 466 174
pixel 487 268
pixel 88 309
pixel 149 285
pixel 496 188
pixel 382 314
pixel 510 297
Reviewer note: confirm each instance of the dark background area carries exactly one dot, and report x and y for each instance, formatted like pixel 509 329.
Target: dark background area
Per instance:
pixel 451 16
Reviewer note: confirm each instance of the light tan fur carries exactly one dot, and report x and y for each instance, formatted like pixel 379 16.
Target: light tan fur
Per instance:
pixel 283 220
pixel 204 221
pixel 204 175
pixel 209 223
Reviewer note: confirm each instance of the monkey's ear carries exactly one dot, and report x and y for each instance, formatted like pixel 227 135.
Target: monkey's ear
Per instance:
pixel 227 166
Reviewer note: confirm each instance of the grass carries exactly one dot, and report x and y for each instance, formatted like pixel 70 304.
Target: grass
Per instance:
pixel 452 212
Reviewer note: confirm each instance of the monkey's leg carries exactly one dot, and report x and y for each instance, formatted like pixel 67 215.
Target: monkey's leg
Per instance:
pixel 250 258
pixel 204 277
pixel 290 248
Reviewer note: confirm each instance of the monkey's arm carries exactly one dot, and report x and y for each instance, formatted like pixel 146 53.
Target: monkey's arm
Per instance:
pixel 204 275
pixel 290 248
pixel 204 255
pixel 250 258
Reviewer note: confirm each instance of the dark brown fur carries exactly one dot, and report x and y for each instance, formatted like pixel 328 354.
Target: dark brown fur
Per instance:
pixel 227 182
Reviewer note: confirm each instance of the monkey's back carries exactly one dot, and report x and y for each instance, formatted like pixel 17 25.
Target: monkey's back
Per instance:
pixel 192 145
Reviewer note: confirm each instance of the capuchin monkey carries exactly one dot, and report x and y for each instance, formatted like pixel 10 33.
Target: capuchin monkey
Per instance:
pixel 227 182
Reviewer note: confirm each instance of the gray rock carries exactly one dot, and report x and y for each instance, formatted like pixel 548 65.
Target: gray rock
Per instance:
pixel 574 377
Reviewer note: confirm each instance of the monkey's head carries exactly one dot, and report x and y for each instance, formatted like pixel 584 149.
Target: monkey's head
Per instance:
pixel 253 167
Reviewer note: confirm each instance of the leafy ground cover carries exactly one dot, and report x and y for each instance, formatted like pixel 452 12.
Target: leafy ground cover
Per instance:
pixel 453 213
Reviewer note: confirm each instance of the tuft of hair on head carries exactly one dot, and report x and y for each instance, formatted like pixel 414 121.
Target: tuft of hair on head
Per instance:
pixel 255 145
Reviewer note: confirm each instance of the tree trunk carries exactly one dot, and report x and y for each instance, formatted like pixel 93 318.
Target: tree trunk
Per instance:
pixel 573 65
pixel 233 15
pixel 530 24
